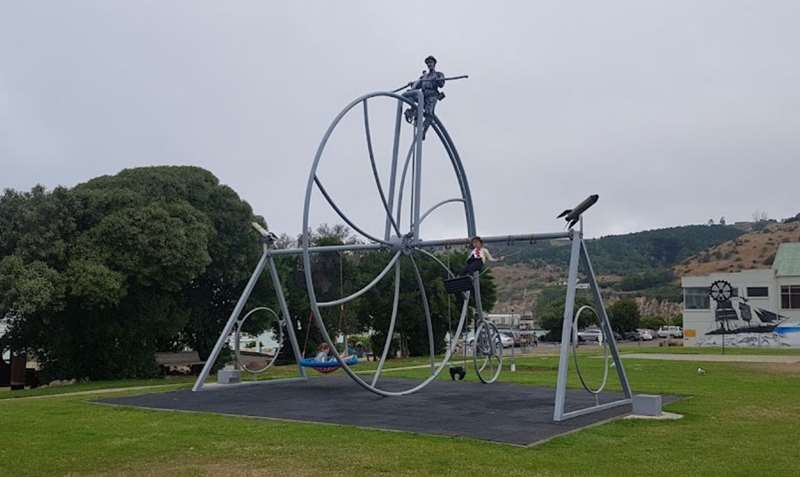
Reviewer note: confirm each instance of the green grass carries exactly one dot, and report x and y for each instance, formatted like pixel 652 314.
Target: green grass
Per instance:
pixel 741 419
pixel 632 348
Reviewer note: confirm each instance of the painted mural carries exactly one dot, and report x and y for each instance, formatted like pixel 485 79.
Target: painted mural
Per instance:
pixel 738 323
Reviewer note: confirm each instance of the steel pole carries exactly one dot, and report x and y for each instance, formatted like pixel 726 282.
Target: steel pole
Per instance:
pixel 226 331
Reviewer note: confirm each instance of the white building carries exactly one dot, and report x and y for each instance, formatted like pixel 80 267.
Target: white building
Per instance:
pixel 764 310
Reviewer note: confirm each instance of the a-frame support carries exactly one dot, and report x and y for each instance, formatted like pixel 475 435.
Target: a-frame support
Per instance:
pixel 266 261
pixel 579 253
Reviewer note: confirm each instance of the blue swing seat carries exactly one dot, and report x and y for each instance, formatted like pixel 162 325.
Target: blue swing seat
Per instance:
pixel 327 365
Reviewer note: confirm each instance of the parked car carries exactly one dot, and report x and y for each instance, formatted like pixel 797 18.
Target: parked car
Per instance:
pixel 590 334
pixel 640 334
pixel 632 335
pixel 507 340
pixel 670 332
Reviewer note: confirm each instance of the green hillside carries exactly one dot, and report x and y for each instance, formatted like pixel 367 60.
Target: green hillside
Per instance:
pixel 630 254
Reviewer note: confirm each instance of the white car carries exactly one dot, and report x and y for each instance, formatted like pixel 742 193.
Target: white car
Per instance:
pixel 670 332
pixel 645 334
pixel 507 340
pixel 590 334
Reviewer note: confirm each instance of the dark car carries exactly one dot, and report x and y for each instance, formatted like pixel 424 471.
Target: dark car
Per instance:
pixel 632 336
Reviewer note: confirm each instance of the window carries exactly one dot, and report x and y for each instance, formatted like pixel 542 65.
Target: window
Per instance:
pixel 790 297
pixel 757 292
pixel 696 298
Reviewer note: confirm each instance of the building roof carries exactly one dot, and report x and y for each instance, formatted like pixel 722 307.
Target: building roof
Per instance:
pixel 787 260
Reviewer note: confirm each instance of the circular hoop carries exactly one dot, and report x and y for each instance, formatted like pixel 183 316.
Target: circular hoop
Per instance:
pixel 402 246
pixel 489 347
pixel 238 334
pixel 575 352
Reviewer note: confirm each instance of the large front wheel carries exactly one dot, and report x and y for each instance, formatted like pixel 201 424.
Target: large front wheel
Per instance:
pixel 487 352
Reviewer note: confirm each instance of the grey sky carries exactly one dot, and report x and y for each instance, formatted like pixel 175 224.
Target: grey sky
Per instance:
pixel 673 111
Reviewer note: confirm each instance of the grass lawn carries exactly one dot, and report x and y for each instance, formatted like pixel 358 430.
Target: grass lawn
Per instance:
pixel 741 419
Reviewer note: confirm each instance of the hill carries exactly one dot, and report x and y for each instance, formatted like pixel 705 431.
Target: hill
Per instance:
pixel 638 264
pixel 752 250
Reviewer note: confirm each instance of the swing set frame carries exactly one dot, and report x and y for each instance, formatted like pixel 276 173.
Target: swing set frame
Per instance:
pixel 406 244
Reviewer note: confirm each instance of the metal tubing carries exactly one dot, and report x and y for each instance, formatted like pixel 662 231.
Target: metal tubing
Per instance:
pixel 287 318
pixel 416 200
pixel 342 214
pixel 566 330
pixel 355 247
pixel 426 308
pixel 461 174
pixel 605 323
pixel 429 211
pixel 591 409
pixel 388 343
pixel 226 331
pixel 434 257
pixel 237 340
pixel 506 239
pixel 367 288
pixel 375 174
pixel 362 247
pixel 401 189
pixel 393 175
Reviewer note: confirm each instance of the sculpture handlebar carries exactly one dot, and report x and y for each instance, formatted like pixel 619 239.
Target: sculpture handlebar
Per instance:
pixel 410 83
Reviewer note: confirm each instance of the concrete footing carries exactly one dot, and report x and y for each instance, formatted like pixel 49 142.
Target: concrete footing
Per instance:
pixel 229 376
pixel 647 405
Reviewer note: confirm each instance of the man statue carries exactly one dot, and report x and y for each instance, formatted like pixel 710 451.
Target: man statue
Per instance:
pixel 429 83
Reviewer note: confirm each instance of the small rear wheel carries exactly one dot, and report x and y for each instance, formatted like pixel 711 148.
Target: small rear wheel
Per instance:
pixel 487 352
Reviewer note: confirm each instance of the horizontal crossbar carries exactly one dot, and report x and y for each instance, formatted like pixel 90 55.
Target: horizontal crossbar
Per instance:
pixel 361 247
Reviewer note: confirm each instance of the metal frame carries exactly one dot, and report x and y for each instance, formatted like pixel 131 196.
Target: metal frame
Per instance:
pixel 405 243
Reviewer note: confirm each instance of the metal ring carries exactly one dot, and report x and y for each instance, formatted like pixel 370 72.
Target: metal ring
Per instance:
pixel 575 352
pixel 493 340
pixel 238 334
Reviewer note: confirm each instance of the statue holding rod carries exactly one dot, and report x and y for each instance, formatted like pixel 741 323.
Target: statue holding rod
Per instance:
pixel 429 83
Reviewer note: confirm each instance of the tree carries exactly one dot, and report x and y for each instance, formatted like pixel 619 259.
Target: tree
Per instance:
pixel 550 311
pixel 99 277
pixel 624 315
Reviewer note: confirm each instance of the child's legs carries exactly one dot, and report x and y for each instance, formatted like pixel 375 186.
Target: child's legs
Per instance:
pixel 473 265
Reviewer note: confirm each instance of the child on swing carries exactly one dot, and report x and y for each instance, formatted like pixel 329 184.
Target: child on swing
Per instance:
pixel 324 353
pixel 478 257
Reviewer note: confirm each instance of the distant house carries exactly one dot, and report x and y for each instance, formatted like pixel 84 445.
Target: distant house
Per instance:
pixel 763 311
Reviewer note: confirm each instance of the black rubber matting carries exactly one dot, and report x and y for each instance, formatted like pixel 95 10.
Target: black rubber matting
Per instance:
pixel 500 412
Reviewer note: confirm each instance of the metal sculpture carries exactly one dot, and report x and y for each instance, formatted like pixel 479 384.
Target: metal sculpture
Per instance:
pixel 238 338
pixel 405 243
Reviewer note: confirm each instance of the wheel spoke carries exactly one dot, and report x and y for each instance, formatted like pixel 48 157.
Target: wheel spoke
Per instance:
pixel 367 288
pixel 344 217
pixel 392 321
pixel 446 201
pixel 401 189
pixel 375 174
pixel 426 307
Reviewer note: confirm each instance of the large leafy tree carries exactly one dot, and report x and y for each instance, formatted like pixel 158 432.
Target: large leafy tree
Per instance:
pixel 96 278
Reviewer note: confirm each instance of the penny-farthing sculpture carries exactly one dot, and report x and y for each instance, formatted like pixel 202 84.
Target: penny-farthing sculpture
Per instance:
pixel 398 194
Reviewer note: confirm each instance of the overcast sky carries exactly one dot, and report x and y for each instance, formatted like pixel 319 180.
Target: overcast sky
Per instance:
pixel 673 111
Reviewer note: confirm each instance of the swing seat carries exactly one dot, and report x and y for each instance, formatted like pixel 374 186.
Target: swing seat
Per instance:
pixel 327 365
pixel 458 284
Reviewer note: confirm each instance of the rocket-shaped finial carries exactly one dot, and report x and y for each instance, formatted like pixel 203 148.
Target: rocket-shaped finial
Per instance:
pixel 572 216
